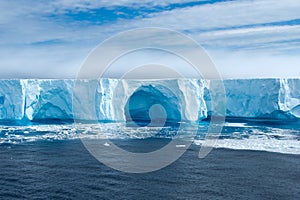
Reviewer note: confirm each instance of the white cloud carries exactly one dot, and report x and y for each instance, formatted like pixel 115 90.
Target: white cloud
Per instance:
pixel 271 38
pixel 256 64
pixel 42 62
pixel 227 14
pixel 92 4
pixel 216 26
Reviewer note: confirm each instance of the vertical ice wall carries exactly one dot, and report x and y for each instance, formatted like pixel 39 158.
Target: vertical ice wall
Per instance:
pixel 38 100
pixel 251 98
pixel 85 98
pixel 184 96
pixel 12 100
pixel 260 98
pixel 289 96
pixel 49 99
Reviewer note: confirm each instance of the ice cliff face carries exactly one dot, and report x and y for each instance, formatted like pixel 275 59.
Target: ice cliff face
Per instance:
pixel 48 99
pixel 261 98
pixel 134 100
pixel 289 96
pixel 12 101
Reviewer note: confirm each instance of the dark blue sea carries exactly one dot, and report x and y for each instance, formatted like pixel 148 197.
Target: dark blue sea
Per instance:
pixel 51 162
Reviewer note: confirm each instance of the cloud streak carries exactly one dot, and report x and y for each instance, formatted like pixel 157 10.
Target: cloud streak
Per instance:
pixel 58 35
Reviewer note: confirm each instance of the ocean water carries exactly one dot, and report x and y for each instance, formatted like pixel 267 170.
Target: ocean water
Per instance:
pixel 249 161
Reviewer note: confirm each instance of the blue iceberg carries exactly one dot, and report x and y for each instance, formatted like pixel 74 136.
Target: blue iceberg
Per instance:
pixel 44 101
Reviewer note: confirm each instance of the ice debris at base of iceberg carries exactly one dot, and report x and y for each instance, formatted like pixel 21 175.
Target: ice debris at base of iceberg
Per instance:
pixel 29 100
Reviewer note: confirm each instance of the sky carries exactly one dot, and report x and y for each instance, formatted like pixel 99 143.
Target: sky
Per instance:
pixel 244 38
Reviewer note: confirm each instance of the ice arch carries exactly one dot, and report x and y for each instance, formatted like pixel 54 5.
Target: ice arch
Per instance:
pixel 50 113
pixel 49 101
pixel 157 105
pixel 131 100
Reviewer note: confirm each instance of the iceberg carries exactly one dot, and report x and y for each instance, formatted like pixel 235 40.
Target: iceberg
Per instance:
pixel 43 101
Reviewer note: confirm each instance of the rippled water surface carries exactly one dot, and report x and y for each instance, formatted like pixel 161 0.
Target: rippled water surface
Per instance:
pixel 249 162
